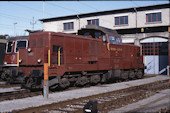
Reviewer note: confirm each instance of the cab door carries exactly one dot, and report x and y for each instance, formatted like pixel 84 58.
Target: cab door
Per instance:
pixel 116 51
pixel 57 54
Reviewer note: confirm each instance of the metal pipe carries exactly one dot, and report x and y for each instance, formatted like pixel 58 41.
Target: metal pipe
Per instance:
pixel 78 20
pixel 137 40
pixel 136 21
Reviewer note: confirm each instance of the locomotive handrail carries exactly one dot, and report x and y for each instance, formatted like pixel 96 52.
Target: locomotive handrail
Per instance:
pixel 49 57
pixel 18 59
pixel 59 56
pixel 108 46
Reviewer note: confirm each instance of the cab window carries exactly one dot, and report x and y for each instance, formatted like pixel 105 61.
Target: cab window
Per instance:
pixel 9 47
pixel 112 40
pixel 86 34
pixel 119 40
pixel 104 38
pixel 20 44
pixel 115 40
pixel 97 34
pixel 56 48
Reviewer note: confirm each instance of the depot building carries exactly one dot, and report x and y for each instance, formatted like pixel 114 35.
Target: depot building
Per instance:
pixel 146 25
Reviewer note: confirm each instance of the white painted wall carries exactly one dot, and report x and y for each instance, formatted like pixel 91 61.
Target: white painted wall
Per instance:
pixel 142 18
pixel 109 22
pixel 154 39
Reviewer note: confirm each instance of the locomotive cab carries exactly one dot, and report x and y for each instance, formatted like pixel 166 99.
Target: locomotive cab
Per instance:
pixel 11 60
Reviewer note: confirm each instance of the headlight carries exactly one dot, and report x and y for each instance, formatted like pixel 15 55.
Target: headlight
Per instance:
pixel 39 60
pixel 29 50
pixel 20 60
pixel 5 62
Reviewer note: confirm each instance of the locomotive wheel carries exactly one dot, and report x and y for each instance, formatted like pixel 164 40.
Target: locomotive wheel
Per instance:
pixel 5 75
pixel 124 75
pixel 64 83
pixel 139 74
pixel 104 78
pixel 81 81
pixel 29 83
pixel 94 79
pixel 131 75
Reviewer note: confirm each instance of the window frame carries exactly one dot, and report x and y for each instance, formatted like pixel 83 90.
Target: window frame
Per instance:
pixel 16 44
pixel 117 40
pixel 11 48
pixel 119 22
pixel 95 21
pixel 68 26
pixel 151 16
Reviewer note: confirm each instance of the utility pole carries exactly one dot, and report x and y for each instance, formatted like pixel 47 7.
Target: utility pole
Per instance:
pixel 33 23
pixel 43 9
pixel 14 28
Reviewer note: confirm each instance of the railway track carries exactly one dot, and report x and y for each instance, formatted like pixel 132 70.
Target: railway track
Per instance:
pixel 26 93
pixel 6 85
pixel 9 85
pixel 106 102
pixel 18 94
pixel 165 110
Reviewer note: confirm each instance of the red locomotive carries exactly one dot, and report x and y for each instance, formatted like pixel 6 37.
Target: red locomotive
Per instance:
pixel 95 55
pixel 11 62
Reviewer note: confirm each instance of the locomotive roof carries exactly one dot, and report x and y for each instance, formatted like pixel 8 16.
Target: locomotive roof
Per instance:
pixel 18 37
pixel 99 28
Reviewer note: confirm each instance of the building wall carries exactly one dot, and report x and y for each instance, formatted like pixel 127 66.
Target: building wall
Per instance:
pixel 130 38
pixel 109 21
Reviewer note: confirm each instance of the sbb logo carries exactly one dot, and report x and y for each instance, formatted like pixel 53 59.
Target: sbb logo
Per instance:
pixel 12 58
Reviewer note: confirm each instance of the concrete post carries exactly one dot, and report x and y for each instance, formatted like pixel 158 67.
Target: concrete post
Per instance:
pixel 168 70
pixel 46 87
pixel 46 90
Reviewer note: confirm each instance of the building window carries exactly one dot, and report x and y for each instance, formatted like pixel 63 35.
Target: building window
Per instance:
pixel 153 17
pixel 93 22
pixel 155 48
pixel 121 20
pixel 69 26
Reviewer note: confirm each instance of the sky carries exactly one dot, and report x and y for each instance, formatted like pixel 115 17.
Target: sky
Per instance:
pixel 17 16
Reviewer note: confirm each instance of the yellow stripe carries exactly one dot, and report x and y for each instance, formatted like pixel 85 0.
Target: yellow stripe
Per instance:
pixel 145 60
pixel 18 59
pixel 49 57
pixel 108 47
pixel 59 57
